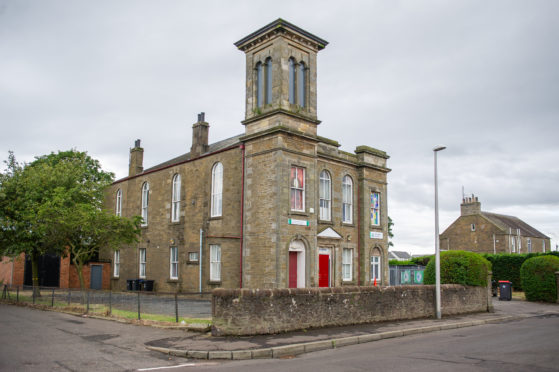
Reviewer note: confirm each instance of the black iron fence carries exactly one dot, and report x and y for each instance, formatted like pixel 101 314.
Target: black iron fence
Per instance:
pixel 170 307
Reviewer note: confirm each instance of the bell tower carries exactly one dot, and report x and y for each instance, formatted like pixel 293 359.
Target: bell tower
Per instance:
pixel 281 78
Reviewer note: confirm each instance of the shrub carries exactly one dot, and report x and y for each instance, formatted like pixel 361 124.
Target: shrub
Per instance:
pixel 459 267
pixel 421 261
pixel 538 278
pixel 507 266
pixel 394 262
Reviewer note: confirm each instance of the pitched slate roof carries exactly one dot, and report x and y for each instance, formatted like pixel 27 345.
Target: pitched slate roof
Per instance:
pixel 400 255
pixel 506 223
pixel 185 157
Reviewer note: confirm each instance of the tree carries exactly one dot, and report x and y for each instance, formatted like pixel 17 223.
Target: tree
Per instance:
pixel 55 204
pixel 390 234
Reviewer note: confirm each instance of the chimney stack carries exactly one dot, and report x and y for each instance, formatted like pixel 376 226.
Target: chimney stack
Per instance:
pixel 136 163
pixel 470 206
pixel 200 131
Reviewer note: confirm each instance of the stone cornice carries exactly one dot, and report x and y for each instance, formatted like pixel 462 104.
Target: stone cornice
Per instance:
pixel 279 111
pixel 280 27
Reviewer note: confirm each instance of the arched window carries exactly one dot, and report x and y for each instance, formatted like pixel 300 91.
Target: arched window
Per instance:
pixel 376 259
pixel 217 189
pixel 259 84
pixel 118 206
pixel 291 80
pixel 176 198
pixel 268 80
pixel 347 199
pixel 145 202
pixel 302 85
pixel 325 195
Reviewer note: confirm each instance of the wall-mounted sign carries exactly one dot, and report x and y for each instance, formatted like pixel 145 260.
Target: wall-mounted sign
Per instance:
pixel 298 222
pixel 375 235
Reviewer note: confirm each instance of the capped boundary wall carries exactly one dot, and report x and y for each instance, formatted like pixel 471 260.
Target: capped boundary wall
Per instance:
pixel 267 311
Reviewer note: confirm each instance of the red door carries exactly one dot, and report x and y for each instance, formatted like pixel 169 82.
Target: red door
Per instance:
pixel 323 270
pixel 292 269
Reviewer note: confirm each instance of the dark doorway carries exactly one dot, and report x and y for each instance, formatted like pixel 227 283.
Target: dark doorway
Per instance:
pixel 96 280
pixel 49 271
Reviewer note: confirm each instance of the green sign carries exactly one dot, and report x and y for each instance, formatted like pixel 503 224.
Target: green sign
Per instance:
pixel 405 277
pixel 418 277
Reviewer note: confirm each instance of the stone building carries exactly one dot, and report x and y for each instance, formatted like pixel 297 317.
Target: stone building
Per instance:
pixel 277 206
pixel 485 232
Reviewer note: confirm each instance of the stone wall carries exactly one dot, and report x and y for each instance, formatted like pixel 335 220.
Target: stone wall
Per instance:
pixel 268 311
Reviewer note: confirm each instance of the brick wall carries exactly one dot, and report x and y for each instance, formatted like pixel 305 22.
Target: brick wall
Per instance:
pixel 12 270
pixel 267 311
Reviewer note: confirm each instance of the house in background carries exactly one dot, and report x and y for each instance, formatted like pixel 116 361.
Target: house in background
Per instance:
pixel 277 206
pixel 485 232
pixel 399 255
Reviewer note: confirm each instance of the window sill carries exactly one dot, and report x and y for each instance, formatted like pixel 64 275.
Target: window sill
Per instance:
pixel 215 218
pixel 326 222
pixel 115 277
pixel 192 263
pixel 214 282
pixel 347 224
pixel 175 222
pixel 298 213
pixel 171 281
pixel 348 282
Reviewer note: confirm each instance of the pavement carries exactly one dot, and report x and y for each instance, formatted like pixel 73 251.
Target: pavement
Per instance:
pixel 204 346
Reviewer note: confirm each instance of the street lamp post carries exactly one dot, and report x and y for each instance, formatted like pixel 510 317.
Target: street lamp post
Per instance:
pixel 437 249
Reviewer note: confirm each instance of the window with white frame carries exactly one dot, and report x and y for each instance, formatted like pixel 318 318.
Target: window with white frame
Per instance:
pixel 215 263
pixel 375 209
pixel 217 190
pixel 142 273
pixel 324 195
pixel 347 199
pixel 116 264
pixel 512 244
pixel 176 198
pixel 375 268
pixel 529 245
pixel 145 203
pixel 297 185
pixel 543 246
pixel 174 263
pixel 347 264
pixel 118 206
pixel 193 256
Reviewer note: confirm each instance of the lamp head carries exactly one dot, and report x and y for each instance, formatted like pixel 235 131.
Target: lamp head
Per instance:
pixel 439 148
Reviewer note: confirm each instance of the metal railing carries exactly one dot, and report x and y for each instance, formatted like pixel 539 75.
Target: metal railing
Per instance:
pixel 168 307
pixel 406 275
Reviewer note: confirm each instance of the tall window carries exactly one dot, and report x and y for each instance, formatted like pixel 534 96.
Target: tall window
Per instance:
pixel 324 195
pixel 513 244
pixel 174 263
pixel 291 80
pixel 116 263
pixel 268 72
pixel 301 84
pixel 215 263
pixel 347 264
pixel 375 266
pixel 375 209
pixel 145 202
pixel 118 207
pixel 347 199
pixel 142 263
pixel 259 84
pixel 529 245
pixel 176 201
pixel 217 189
pixel 543 246
pixel 297 184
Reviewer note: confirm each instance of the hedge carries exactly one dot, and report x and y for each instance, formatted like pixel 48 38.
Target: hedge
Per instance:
pixel 538 278
pixel 507 266
pixel 395 262
pixel 459 267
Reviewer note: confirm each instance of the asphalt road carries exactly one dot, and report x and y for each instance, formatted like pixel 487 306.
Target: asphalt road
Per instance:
pixel 525 345
pixel 33 340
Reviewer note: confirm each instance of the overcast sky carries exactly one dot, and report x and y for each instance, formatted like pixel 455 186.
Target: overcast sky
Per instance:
pixel 481 77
